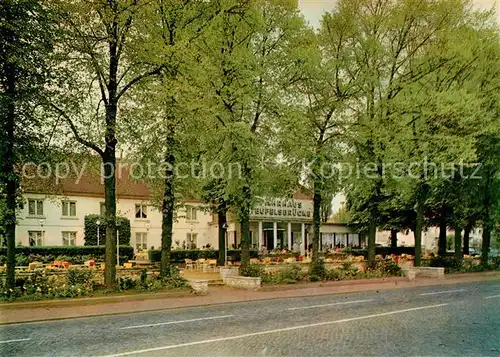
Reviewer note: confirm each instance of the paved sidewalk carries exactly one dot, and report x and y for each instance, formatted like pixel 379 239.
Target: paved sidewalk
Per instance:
pixel 75 308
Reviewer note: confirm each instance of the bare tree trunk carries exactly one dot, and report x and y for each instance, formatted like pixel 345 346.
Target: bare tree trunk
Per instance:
pixel 485 246
pixel 442 233
pixel 109 162
pixel 458 243
pixel 316 224
pixel 245 222
pixel 372 234
pixel 109 155
pixel 245 241
pixel 467 231
pixel 394 238
pixel 167 207
pixel 418 233
pixel 8 175
pixel 222 221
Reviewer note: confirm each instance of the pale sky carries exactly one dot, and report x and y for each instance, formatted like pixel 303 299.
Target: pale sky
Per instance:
pixel 313 9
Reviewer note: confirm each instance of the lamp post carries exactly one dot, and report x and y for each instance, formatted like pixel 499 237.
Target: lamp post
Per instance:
pixel 98 222
pixel 191 236
pixel 225 226
pixel 118 223
pixel 42 222
pixel 148 225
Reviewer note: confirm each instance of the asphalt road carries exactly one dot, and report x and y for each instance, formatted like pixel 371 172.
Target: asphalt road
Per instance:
pixel 449 320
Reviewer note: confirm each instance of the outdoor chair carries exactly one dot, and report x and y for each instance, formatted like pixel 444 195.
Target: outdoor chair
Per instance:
pixel 200 263
pixel 189 264
pixel 213 264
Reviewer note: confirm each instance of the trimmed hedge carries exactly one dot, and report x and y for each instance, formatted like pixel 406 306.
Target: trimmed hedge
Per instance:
pixel 381 251
pixel 90 230
pixel 178 256
pixel 71 251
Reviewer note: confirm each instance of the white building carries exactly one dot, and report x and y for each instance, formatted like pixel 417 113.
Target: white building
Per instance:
pixel 54 213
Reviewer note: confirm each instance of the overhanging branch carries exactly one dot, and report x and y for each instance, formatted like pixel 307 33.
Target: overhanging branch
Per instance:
pixel 138 79
pixel 78 138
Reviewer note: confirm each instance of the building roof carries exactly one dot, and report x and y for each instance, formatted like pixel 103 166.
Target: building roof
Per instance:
pixel 82 177
pixel 89 183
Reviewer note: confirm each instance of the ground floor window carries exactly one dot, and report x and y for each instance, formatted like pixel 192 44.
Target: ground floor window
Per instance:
pixel 68 238
pixel 35 238
pixel 191 240
pixel 339 240
pixel 141 241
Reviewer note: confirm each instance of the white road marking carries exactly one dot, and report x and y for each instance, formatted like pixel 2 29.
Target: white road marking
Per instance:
pixel 221 339
pixel 332 304
pixel 491 297
pixel 178 322
pixel 18 340
pixel 443 292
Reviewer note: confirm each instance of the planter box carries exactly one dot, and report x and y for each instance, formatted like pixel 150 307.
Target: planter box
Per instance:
pixel 199 286
pixel 228 271
pixel 410 274
pixel 428 272
pixel 242 282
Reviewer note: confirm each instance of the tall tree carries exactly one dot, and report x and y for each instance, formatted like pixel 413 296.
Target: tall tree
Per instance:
pixel 244 53
pixel 313 132
pixel 97 53
pixel 403 50
pixel 171 126
pixel 27 31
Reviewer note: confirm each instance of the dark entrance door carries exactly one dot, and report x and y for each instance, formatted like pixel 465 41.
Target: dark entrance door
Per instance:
pixel 269 239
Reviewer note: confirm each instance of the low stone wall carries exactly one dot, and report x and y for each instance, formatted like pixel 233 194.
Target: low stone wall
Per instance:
pixel 199 286
pixel 424 272
pixel 228 271
pixel 428 272
pixel 242 282
pixel 410 274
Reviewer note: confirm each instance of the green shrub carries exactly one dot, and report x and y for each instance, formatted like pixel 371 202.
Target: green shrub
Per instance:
pixel 289 274
pixel 334 275
pixel 144 276
pixel 90 230
pixel 79 276
pixel 22 260
pixel 71 291
pixel 127 283
pixel 252 270
pixel 495 263
pixel 450 264
pixel 318 269
pixel 37 286
pixel 387 268
pixel 153 283
pixel 292 272
pixel 313 278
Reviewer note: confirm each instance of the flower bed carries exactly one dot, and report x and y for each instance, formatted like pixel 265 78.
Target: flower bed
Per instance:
pixel 77 282
pixel 293 273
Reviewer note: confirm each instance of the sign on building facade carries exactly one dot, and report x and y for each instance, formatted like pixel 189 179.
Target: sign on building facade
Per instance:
pixel 282 209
